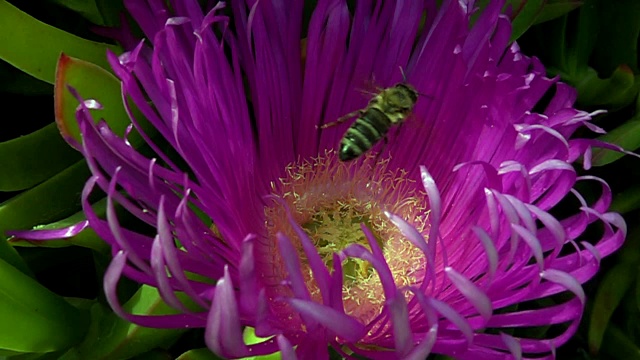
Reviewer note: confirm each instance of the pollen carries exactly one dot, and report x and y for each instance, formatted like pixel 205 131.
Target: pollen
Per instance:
pixel 330 200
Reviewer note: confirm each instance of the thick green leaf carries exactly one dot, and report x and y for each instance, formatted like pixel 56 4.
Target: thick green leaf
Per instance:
pixel 52 200
pixel 626 135
pixel 11 256
pixel 556 9
pixel 525 13
pixel 110 11
pixel 614 286
pixel 583 38
pixel 34 47
pixel 99 12
pixel 528 12
pixel 88 9
pixel 629 308
pixel 30 159
pixel 250 337
pixel 618 345
pixel 619 35
pixel 626 201
pixel 33 318
pixel 198 354
pixel 111 337
pixel 595 50
pixel 567 52
pixel 55 355
pixel 616 91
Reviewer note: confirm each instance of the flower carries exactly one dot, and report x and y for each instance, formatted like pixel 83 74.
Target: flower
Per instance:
pixel 437 242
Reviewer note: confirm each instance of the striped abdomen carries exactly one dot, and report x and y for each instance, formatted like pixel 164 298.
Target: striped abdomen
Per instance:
pixel 365 132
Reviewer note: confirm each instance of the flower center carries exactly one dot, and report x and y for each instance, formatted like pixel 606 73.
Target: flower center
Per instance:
pixel 330 200
pixel 336 226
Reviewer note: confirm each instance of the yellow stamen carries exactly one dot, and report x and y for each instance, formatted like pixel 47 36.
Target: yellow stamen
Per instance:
pixel 329 199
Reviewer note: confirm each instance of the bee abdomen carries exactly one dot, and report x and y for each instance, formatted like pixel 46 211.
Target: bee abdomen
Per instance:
pixel 365 132
pixel 377 120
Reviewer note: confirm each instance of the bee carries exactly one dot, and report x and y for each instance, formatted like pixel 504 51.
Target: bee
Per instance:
pixel 390 107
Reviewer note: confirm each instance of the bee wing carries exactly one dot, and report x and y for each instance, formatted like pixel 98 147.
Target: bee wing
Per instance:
pixel 413 124
pixel 370 93
pixel 370 87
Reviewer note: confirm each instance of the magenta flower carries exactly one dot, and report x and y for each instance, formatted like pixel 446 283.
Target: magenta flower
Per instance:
pixel 417 247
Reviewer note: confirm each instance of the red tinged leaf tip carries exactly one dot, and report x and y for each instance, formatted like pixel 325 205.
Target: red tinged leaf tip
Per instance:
pixel 95 85
pixel 60 87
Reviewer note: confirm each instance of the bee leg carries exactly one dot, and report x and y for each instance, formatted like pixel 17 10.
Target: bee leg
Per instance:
pixel 384 146
pixel 339 121
pixel 386 141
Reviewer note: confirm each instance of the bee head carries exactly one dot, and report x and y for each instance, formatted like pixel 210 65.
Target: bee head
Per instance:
pixel 403 96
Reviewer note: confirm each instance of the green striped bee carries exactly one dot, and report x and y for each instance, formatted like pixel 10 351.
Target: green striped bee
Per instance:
pixel 390 107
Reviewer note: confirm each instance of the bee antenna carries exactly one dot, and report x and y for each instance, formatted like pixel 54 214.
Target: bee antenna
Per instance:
pixel 425 95
pixel 404 77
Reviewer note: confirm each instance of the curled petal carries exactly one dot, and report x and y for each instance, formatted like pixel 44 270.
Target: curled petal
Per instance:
pixel 434 203
pixel 418 240
pixel 489 250
pixel 402 335
pixel 224 331
pixel 513 345
pixel 286 350
pixel 450 314
pixel 293 267
pixel 50 234
pixel 339 323
pixel 111 278
pixel 566 280
pixel 493 180
pixel 532 241
pixel 479 299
